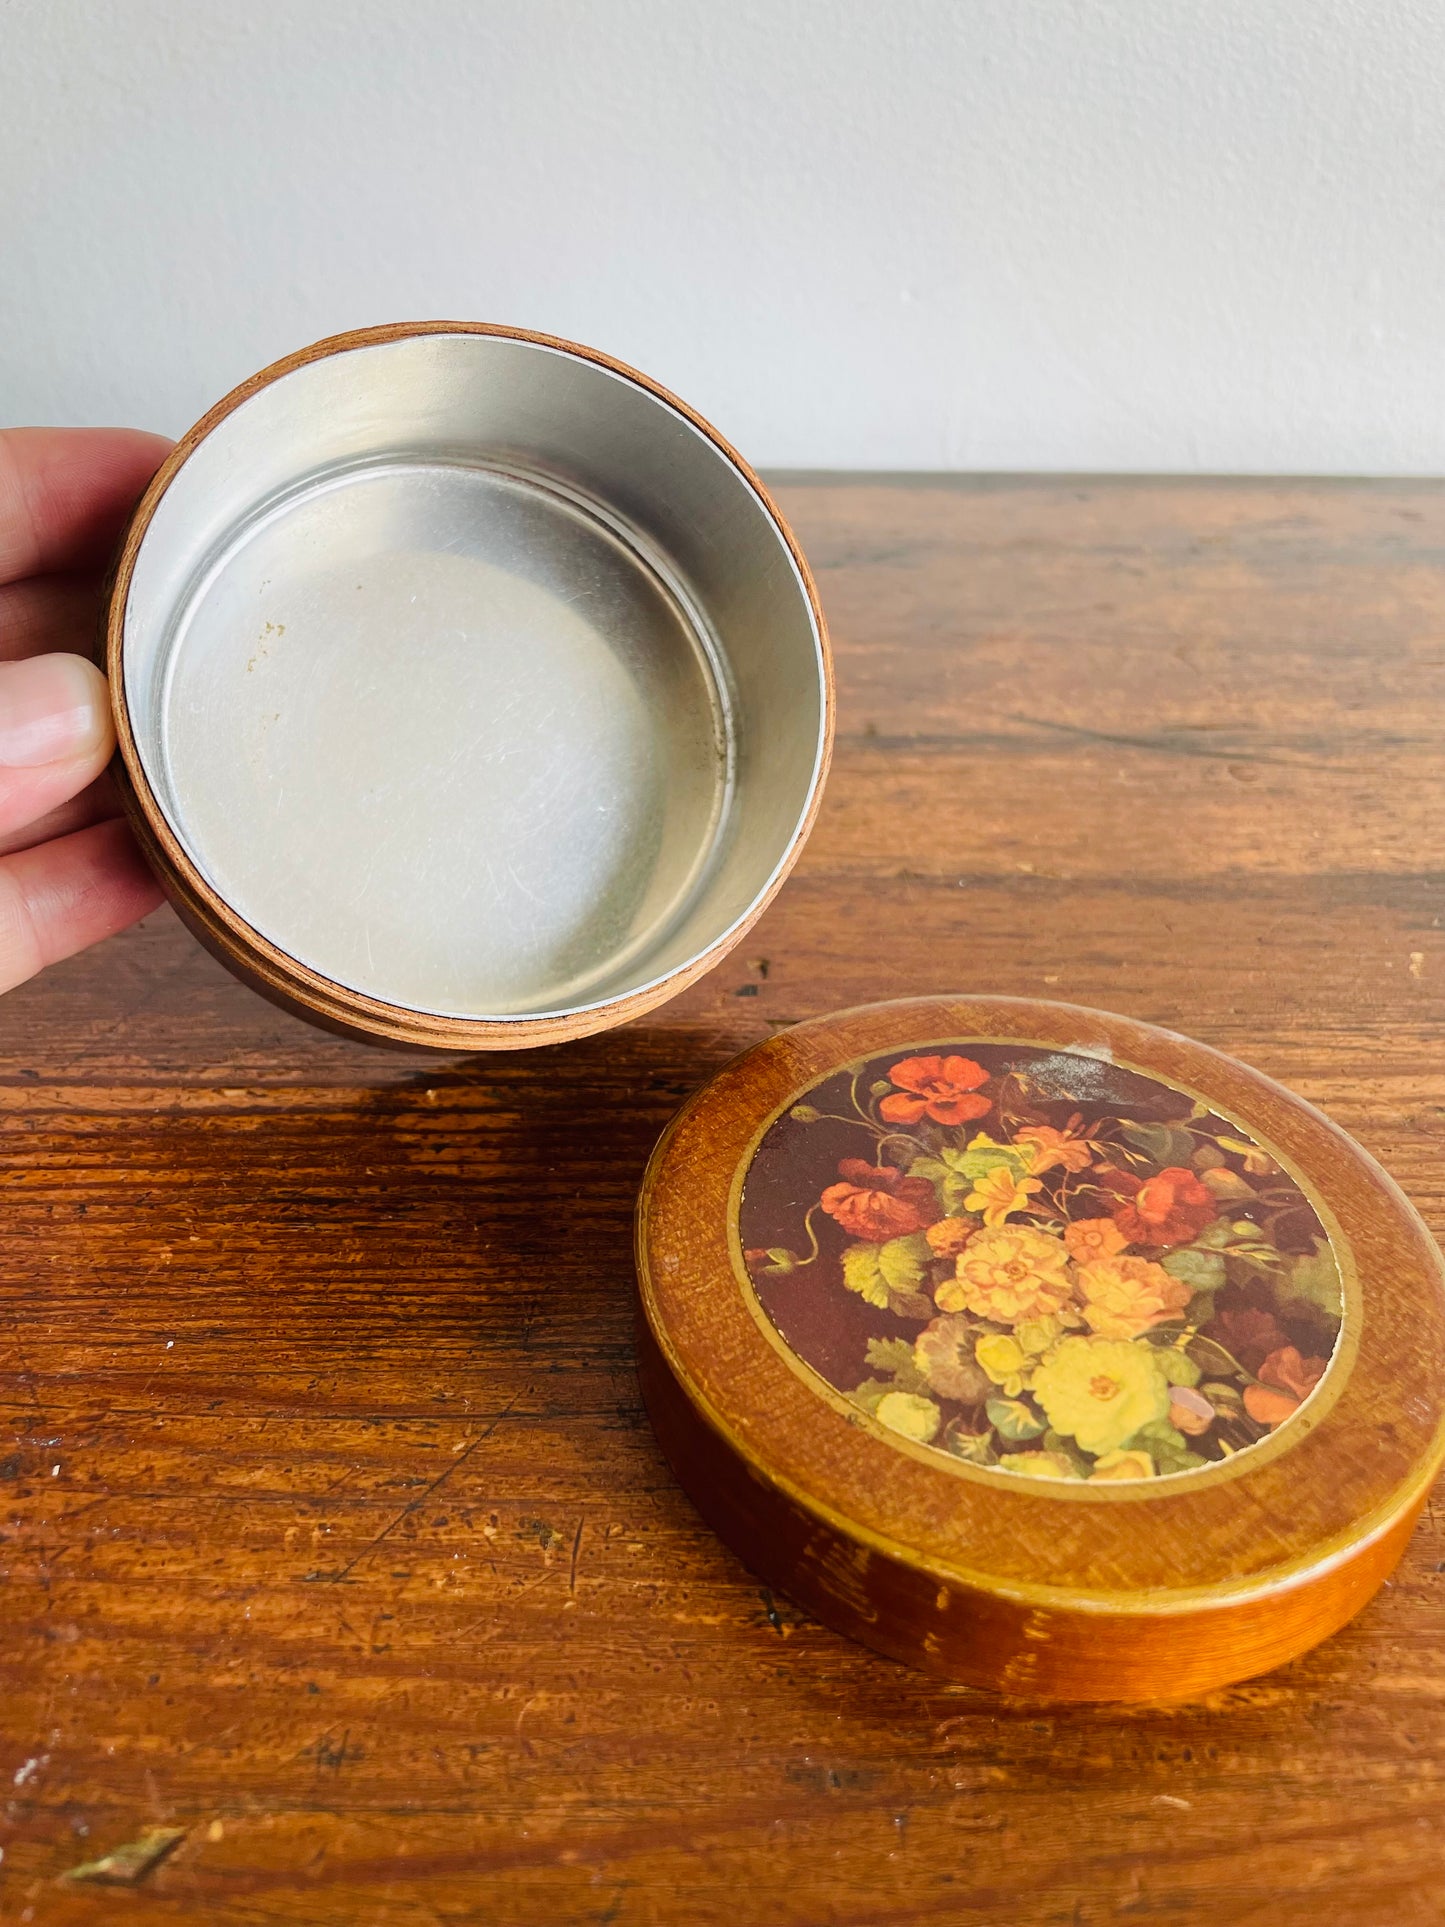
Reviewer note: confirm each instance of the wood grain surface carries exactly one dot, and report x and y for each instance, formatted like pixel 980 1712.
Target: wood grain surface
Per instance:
pixel 334 1537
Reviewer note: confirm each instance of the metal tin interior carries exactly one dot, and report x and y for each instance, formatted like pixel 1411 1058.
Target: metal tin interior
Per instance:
pixel 474 676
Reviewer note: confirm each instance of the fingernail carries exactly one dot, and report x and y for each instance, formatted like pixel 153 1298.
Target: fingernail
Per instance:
pixel 52 708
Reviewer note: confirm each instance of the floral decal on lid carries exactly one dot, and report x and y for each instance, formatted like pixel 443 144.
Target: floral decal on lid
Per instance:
pixel 1032 1260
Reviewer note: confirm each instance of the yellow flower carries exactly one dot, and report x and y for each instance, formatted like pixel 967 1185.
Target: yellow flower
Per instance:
pixel 1126 1296
pixel 1123 1465
pixel 1005 1361
pixel 1047 1147
pixel 1038 1465
pixel 1090 1238
pixel 905 1412
pixel 1099 1391
pixel 999 1193
pixel 1012 1273
pixel 1009 1359
pixel 1037 1334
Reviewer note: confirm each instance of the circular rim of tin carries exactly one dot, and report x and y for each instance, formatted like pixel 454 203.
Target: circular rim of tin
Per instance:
pixel 737 1433
pixel 259 958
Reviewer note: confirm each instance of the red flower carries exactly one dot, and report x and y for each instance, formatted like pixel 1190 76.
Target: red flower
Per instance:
pixel 942 1088
pixel 876 1203
pixel 1170 1209
pixel 1249 1333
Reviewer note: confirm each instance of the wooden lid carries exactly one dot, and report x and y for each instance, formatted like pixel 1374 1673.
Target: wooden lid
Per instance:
pixel 1039 1347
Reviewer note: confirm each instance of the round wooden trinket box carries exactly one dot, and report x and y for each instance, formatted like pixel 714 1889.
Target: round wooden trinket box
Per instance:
pixel 1038 1347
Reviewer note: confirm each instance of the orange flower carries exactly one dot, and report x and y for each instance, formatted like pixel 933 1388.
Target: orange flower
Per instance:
pixel 875 1203
pixel 948 1237
pixel 1287 1370
pixel 1170 1209
pixel 943 1088
pixel 1126 1296
pixel 1051 1147
pixel 1286 1381
pixel 1268 1407
pixel 1091 1238
pixel 1016 1272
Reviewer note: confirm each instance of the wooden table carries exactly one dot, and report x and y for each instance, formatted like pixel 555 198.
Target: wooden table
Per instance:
pixel 333 1531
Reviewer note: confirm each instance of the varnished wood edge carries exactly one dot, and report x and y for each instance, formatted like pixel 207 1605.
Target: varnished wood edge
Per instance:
pixel 253 957
pixel 988 1636
pixel 1317 1567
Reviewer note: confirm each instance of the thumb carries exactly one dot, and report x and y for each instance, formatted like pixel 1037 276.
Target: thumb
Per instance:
pixel 56 734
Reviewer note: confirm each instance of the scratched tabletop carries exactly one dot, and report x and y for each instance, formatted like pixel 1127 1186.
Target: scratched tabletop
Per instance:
pixel 343 1582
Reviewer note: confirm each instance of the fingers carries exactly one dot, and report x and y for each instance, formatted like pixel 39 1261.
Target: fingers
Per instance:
pixel 65 493
pixel 49 612
pixel 96 803
pixel 56 734
pixel 66 878
pixel 57 899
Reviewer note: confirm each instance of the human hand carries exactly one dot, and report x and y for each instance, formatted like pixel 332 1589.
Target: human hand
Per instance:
pixel 69 872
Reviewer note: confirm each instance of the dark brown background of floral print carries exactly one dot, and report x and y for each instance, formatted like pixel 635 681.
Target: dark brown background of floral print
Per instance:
pixel 829 1326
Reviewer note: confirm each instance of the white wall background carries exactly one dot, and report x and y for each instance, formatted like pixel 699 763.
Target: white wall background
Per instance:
pixel 1146 234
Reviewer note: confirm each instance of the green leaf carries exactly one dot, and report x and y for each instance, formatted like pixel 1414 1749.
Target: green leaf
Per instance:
pixel 1166 1144
pixel 983 1155
pixel 871 1392
pixel 934 1169
pixel 1158 1431
pixel 1228 1396
pixel 1213 1358
pixel 1012 1419
pixel 1065 1448
pixel 1178 1367
pixel 911 1304
pixel 888 1276
pixel 1207 1157
pixel 862 1273
pixel 805 1114
pixel 1249 1259
pixel 1216 1236
pixel 880 1087
pixel 953 1192
pixel 895 1355
pixel 976 1447
pixel 1166 1446
pixel 963 1169
pixel 1229 1187
pixel 1316 1276
pixel 950 1189
pixel 904 1262
pixel 1201 1270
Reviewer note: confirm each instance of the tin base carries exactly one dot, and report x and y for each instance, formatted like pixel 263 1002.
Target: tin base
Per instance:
pixel 447 735
pixel 469 690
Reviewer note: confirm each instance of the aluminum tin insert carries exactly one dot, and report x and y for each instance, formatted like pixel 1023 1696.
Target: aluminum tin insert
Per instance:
pixel 470 689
